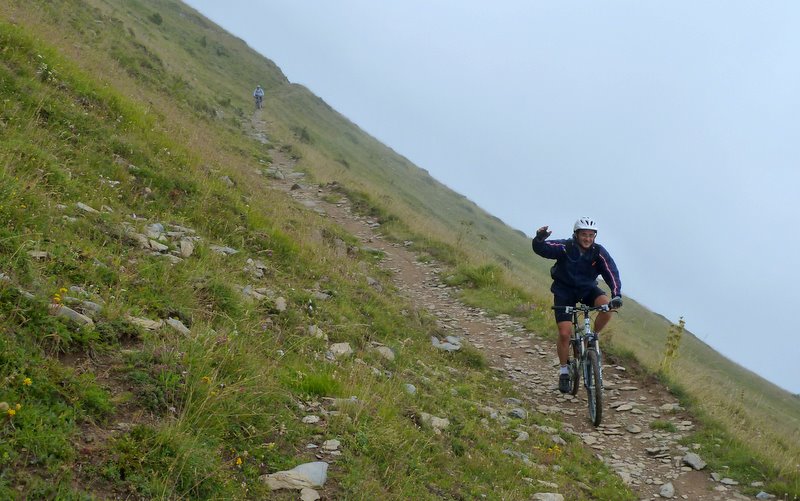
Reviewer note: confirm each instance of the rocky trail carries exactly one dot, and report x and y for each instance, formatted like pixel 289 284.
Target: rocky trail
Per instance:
pixel 642 423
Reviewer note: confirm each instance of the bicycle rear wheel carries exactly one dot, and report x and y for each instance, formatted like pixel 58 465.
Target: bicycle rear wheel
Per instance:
pixel 594 387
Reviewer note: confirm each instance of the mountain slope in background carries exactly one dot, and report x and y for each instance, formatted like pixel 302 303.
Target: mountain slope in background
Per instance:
pixel 165 116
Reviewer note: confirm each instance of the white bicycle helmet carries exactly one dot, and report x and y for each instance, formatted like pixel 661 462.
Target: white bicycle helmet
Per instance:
pixel 585 223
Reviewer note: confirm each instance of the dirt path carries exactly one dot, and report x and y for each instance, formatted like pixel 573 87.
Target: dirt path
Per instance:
pixel 642 422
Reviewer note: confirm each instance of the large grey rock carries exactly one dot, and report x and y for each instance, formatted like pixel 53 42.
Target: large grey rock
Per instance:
pixel 157 246
pixel 518 413
pixel 59 310
pixel 438 424
pixel 304 476
pixel 307 494
pixel 219 249
pixel 331 445
pixel 667 490
pixel 547 496
pixel 85 208
pixel 694 461
pixel 186 247
pixel 340 350
pixel 446 346
pixel 91 308
pixel 178 326
pixel 154 230
pixel 141 240
pixel 145 323
pixel 384 351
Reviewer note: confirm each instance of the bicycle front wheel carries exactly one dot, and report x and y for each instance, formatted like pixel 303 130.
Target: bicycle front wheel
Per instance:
pixel 574 368
pixel 594 387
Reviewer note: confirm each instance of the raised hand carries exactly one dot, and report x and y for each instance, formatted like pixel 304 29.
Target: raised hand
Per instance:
pixel 542 233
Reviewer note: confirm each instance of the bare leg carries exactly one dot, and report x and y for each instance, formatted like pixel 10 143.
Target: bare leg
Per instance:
pixel 603 317
pixel 562 345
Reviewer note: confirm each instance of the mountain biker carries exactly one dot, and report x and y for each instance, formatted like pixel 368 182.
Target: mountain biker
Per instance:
pixel 258 94
pixel 579 261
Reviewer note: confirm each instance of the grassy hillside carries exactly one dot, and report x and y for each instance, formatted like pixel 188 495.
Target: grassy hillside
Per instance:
pixel 139 109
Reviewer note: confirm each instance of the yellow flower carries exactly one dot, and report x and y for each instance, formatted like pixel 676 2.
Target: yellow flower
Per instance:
pixel 11 412
pixel 19 406
pixel 62 290
pixel 238 461
pixel 27 381
pixel 205 379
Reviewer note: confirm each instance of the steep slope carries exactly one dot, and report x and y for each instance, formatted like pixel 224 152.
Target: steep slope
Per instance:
pixel 162 124
pixel 173 327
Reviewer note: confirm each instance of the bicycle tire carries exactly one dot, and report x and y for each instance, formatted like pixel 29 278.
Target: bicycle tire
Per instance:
pixel 574 371
pixel 594 387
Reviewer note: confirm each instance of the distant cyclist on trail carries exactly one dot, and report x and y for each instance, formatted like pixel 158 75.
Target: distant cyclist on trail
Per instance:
pixel 579 261
pixel 258 94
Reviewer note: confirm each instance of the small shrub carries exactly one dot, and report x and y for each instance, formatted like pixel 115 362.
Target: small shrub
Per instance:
pixel 220 298
pixel 673 343
pixel 663 425
pixel 471 357
pixel 302 134
pixel 318 384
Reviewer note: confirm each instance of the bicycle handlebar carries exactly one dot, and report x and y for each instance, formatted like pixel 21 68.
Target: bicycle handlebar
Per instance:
pixel 582 307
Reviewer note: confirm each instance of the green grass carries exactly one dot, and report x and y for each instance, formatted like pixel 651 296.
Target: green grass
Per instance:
pixel 138 108
pixel 662 425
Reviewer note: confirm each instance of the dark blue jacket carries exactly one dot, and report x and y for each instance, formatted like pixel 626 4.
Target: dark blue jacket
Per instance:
pixel 575 270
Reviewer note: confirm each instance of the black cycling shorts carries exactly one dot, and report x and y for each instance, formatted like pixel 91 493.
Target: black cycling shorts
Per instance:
pixel 571 298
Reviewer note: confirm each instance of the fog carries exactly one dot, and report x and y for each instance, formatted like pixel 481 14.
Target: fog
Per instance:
pixel 673 124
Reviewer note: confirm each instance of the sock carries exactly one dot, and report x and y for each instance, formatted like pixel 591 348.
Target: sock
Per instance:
pixel 564 370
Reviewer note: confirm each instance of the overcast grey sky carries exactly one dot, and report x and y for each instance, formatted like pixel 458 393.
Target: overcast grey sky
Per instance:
pixel 673 124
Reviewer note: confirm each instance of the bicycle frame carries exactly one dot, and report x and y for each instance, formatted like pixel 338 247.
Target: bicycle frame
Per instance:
pixel 588 361
pixel 587 339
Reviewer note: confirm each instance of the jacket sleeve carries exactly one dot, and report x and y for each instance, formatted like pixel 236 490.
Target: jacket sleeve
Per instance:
pixel 550 249
pixel 609 272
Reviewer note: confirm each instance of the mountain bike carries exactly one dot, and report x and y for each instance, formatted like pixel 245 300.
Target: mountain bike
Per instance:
pixel 586 360
pixel 259 101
